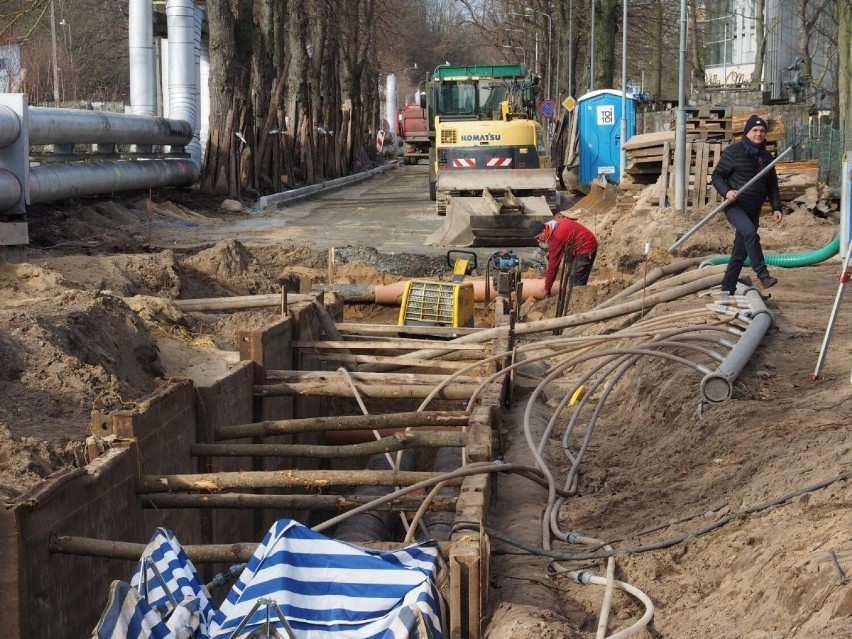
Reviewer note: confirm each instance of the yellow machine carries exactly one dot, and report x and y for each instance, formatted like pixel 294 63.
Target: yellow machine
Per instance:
pixel 440 303
pixel 491 173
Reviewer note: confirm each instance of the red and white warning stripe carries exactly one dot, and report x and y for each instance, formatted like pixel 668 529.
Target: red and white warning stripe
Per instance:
pixel 500 162
pixel 464 163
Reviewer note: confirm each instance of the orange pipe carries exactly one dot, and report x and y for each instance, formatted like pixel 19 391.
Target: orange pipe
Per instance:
pixel 391 294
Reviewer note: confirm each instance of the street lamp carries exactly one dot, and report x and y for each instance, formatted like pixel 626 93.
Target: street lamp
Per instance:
pixel 530 11
pixel 68 45
pixel 408 69
pixel 53 55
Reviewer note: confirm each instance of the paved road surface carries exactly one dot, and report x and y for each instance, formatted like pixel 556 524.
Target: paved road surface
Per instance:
pixel 391 212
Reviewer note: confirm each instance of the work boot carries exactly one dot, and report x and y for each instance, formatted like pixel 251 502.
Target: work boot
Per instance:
pixel 768 281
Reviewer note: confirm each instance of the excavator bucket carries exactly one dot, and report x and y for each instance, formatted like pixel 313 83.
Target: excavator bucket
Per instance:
pixel 493 207
pixel 490 221
pixel 599 199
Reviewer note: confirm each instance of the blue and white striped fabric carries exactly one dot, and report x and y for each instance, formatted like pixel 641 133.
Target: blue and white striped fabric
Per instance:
pixel 181 579
pixel 328 589
pixel 127 616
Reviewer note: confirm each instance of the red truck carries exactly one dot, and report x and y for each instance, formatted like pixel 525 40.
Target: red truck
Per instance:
pixel 414 131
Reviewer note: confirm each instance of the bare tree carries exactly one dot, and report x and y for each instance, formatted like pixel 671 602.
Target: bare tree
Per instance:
pixel 844 83
pixel 696 40
pixel 760 44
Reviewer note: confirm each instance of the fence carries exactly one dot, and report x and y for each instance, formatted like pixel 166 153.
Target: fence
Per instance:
pixel 819 142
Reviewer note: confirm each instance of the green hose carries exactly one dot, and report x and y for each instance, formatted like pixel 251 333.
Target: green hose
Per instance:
pixel 808 258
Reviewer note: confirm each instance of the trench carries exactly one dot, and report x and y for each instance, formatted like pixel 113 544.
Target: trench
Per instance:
pixel 378 435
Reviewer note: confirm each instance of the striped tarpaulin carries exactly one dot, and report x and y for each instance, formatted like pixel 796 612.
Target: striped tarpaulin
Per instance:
pixel 172 578
pixel 328 589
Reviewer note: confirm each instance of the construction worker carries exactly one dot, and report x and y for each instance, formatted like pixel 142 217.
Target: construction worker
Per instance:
pixel 738 164
pixel 555 236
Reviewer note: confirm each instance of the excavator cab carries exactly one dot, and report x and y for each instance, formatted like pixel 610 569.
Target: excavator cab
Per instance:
pixel 490 174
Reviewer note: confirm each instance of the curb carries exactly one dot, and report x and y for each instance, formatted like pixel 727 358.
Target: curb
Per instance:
pixel 322 187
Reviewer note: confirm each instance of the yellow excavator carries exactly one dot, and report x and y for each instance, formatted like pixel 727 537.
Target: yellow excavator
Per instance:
pixel 490 173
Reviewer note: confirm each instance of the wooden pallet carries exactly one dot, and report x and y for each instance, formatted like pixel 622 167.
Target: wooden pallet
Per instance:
pixel 703 158
pixel 707 123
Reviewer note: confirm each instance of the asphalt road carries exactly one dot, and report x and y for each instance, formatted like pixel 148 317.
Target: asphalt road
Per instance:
pixel 390 212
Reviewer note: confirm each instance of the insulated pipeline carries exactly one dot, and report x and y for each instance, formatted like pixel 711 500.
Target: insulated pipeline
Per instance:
pixel 59 181
pixel 10 190
pixel 10 126
pixel 47 125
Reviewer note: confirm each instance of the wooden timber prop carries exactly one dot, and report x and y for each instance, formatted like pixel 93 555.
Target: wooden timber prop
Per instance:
pixel 324 502
pixel 341 422
pixel 213 482
pixel 391 443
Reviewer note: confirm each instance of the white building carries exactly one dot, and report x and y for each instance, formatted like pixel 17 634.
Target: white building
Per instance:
pixel 730 47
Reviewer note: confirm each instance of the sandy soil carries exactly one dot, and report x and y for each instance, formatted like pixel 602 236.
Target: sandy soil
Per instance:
pixel 86 325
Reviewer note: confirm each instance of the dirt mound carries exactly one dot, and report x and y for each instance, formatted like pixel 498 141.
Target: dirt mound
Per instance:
pixel 64 357
pixel 228 268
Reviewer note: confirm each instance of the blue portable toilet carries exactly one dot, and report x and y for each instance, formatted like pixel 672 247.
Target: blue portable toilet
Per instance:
pixel 599 114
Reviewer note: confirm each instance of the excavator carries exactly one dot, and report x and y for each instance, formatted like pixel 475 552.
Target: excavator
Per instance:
pixel 490 173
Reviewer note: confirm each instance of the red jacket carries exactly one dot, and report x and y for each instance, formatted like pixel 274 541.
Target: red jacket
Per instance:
pixel 558 233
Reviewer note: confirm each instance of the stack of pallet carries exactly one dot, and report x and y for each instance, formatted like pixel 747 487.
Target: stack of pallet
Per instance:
pixel 650 159
pixel 702 157
pixel 707 123
pixel 777 132
pixel 646 154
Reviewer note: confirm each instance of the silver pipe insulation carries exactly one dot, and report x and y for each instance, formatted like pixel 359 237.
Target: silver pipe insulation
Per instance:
pixel 60 181
pixel 10 190
pixel 183 25
pixel 47 125
pixel 718 385
pixel 10 126
pixel 143 96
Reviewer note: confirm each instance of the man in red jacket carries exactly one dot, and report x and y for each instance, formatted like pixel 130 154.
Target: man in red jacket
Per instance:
pixel 559 234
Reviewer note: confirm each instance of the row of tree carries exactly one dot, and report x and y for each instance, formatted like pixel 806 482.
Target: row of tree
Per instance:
pixel 299 80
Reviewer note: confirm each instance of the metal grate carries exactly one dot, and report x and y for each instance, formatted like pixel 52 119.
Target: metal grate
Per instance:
pixel 430 303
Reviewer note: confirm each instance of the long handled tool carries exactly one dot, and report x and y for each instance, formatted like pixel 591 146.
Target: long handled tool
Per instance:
pixel 725 202
pixel 844 278
pixel 566 283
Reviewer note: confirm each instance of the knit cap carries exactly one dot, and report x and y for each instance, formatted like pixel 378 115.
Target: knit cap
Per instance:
pixel 754 121
pixel 536 227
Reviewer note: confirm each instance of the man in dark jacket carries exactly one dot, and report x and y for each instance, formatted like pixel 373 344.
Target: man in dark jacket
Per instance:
pixel 559 234
pixel 739 163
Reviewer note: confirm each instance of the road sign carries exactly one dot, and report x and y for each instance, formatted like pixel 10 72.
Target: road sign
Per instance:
pixel 380 140
pixel 569 103
pixel 547 108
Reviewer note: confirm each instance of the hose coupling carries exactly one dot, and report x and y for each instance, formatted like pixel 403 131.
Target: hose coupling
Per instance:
pixel 583 577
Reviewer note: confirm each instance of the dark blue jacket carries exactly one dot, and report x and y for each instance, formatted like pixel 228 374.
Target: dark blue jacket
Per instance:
pixel 736 167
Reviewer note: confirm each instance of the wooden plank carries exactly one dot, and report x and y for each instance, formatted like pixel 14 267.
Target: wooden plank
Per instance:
pixel 700 177
pixel 664 175
pixel 643 140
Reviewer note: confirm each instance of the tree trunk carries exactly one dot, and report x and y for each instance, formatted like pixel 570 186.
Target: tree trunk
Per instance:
pixel 276 77
pixel 605 42
pixel 844 41
pixel 697 39
pixel 760 44
pixel 656 84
